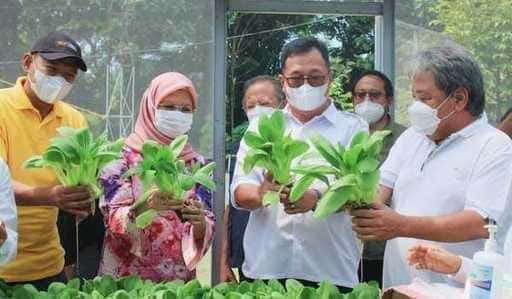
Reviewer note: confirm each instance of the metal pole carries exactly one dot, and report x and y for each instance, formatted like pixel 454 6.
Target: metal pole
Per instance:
pixel 388 41
pixel 219 127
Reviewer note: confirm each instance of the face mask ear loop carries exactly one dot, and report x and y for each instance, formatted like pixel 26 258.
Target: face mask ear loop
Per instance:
pixel 440 105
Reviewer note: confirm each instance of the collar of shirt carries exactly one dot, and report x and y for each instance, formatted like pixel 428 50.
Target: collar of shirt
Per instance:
pixel 22 102
pixel 465 132
pixel 329 114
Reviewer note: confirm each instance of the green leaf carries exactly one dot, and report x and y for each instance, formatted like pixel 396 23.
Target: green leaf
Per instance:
pixel 253 157
pixel 326 150
pixel 253 140
pixel 265 128
pixel 130 283
pixel 204 180
pixel 207 169
pixel 360 138
pixel 369 180
pixel 34 162
pixel 186 182
pixel 146 218
pixel 308 293
pixel 190 287
pixel 150 149
pixel 368 165
pixel 278 122
pixel 293 287
pixel 163 182
pixel 319 172
pixel 56 288
pixel 351 155
pixel 296 148
pixel 106 285
pixel 74 284
pixel 300 187
pixel 121 294
pixel 178 144
pixel 270 198
pixel 346 181
pixel 327 290
pixel 276 286
pixel 332 201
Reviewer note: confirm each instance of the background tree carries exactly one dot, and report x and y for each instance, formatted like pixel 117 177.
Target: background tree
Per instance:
pixel 484 28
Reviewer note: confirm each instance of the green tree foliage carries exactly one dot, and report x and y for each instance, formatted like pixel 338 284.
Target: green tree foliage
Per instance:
pixel 484 28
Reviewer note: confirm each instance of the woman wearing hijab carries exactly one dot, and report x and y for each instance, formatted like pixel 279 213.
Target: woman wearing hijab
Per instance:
pixel 173 244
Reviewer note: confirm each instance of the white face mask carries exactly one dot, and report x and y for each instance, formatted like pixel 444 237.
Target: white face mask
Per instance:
pixel 50 88
pixel 258 110
pixel 307 97
pixel 370 111
pixel 424 118
pixel 173 123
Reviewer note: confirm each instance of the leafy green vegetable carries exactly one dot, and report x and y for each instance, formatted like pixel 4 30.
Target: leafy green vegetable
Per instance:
pixel 162 168
pixel 355 171
pixel 133 287
pixel 76 157
pixel 274 151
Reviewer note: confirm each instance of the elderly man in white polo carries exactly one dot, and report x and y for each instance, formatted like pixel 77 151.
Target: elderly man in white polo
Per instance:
pixel 445 175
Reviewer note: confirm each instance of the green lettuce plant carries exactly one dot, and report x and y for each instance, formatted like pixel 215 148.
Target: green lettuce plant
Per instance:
pixel 133 287
pixel 355 171
pixel 162 168
pixel 271 149
pixel 77 158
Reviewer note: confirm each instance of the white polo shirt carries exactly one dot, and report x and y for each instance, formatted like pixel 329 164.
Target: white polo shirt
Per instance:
pixel 278 245
pixel 8 215
pixel 470 170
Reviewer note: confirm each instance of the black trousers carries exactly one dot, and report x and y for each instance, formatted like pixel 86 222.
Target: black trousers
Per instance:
pixel 372 271
pixel 44 283
pixel 306 283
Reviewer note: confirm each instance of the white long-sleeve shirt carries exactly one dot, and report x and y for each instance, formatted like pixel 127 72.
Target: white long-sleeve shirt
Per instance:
pixel 8 215
pixel 278 245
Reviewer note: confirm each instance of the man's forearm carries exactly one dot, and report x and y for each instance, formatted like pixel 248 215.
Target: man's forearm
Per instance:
pixel 32 196
pixel 247 197
pixel 459 227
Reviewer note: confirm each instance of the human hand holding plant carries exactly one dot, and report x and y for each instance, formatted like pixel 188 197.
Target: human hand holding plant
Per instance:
pixel 270 185
pixel 164 201
pixel 75 200
pixel 379 223
pixel 193 212
pixel 306 203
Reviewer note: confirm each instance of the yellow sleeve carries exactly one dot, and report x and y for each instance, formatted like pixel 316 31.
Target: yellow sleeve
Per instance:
pixel 82 121
pixel 3 143
pixel 78 120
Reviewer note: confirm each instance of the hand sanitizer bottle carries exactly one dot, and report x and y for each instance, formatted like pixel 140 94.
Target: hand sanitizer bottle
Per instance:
pixel 486 270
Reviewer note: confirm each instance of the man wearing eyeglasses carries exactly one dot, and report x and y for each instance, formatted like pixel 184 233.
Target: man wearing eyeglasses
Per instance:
pixel 372 96
pixel 285 241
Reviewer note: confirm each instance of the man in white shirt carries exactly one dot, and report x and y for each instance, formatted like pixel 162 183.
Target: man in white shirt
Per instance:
pixel 8 217
pixel 445 175
pixel 284 240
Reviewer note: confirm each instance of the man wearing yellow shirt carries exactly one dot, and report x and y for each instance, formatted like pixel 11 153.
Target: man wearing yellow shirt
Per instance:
pixel 30 113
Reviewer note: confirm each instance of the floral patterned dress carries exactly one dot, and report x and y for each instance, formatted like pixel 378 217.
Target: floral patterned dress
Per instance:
pixel 166 249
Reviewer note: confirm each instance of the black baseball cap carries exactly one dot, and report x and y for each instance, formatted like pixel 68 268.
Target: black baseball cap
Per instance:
pixel 58 45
